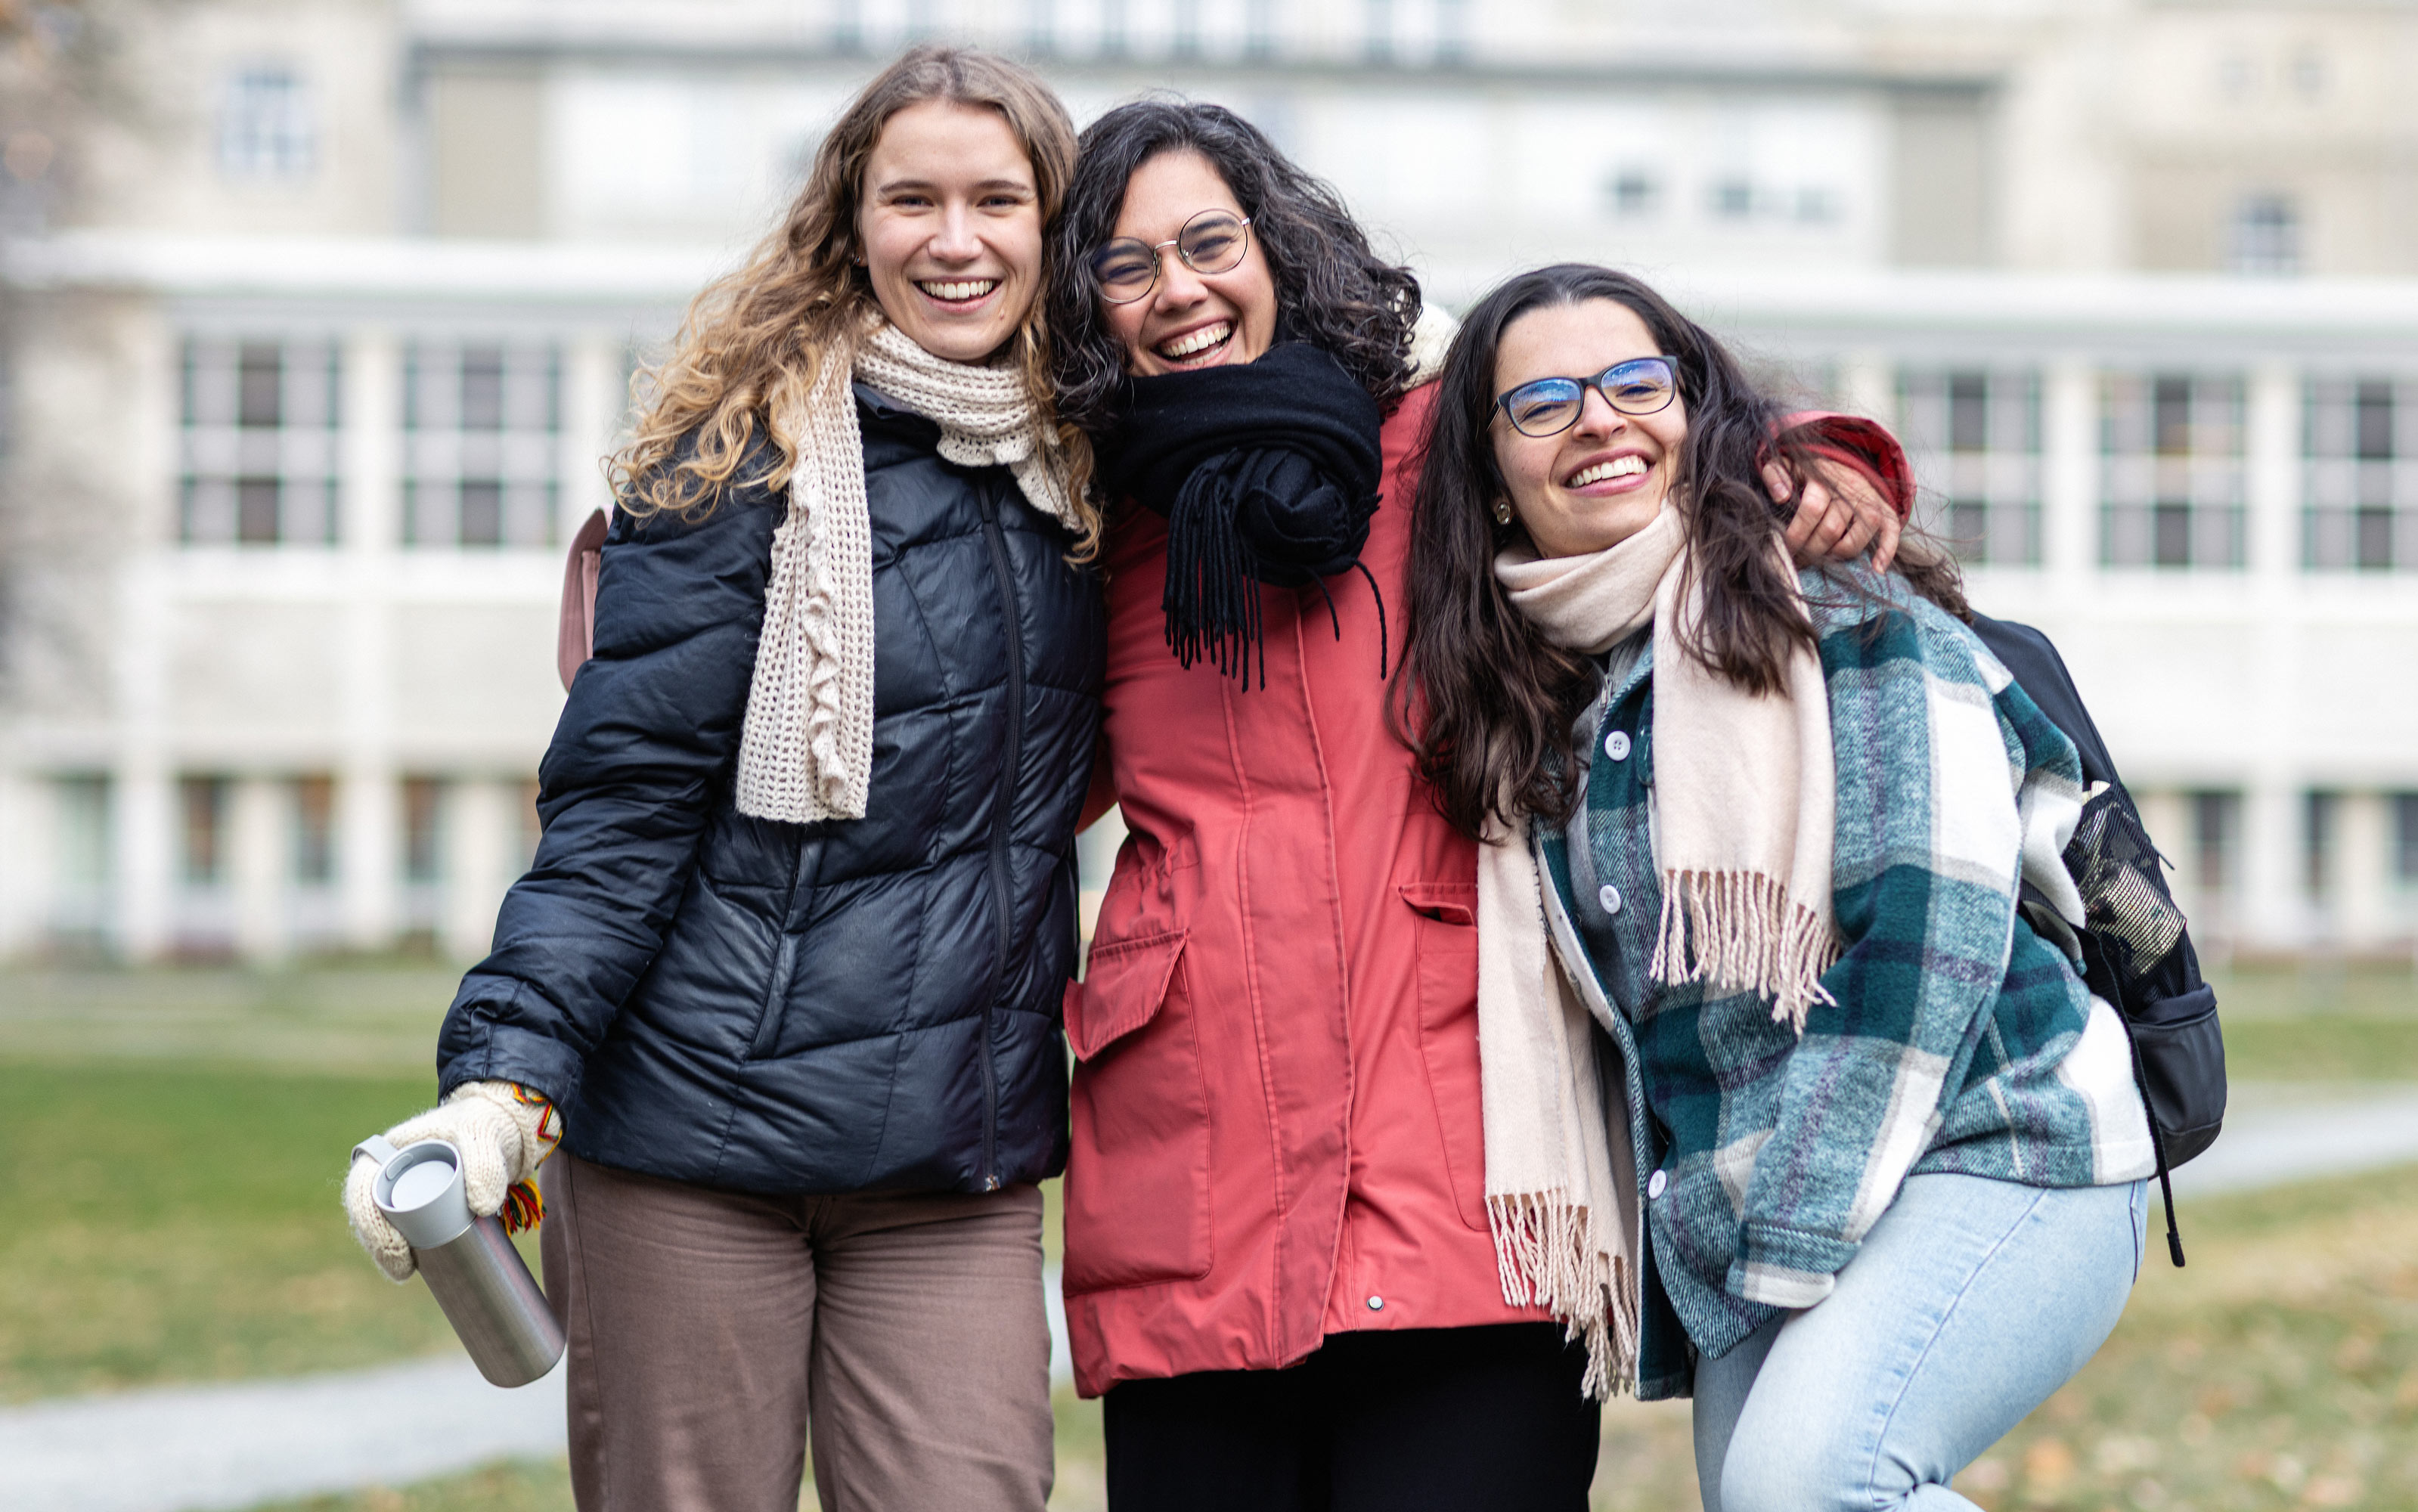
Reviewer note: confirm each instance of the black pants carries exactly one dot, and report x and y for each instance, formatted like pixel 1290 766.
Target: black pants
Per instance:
pixel 1466 1419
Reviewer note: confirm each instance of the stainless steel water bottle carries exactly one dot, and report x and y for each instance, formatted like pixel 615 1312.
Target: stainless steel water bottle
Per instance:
pixel 488 1296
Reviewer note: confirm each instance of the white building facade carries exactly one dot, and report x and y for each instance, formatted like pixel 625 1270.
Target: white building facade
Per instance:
pixel 309 371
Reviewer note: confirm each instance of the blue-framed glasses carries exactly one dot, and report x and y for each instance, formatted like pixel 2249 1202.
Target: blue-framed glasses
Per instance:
pixel 1549 407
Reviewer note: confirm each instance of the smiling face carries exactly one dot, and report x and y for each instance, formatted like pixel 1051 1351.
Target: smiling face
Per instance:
pixel 1189 320
pixel 950 228
pixel 1604 479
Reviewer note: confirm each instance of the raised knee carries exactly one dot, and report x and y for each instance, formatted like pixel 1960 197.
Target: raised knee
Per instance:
pixel 1793 1471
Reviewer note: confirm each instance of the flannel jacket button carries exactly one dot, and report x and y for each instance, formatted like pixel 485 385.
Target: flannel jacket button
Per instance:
pixel 1655 1185
pixel 1608 896
pixel 1615 746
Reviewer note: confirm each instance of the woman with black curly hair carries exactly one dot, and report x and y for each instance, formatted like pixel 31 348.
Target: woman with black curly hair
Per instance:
pixel 1281 1265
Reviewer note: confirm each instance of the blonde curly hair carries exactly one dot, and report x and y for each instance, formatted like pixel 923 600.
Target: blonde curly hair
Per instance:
pixel 754 339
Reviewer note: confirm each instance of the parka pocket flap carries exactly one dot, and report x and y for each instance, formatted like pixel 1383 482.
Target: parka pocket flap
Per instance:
pixel 1452 903
pixel 1124 986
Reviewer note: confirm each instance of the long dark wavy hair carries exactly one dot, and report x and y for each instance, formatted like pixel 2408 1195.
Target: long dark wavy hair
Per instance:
pixel 1333 290
pixel 1485 701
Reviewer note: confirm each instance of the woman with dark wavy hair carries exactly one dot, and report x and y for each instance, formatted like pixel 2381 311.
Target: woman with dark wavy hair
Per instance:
pixel 1283 1265
pixel 1872 1177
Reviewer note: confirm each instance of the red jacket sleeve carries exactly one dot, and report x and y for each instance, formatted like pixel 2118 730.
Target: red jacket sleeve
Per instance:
pixel 1865 445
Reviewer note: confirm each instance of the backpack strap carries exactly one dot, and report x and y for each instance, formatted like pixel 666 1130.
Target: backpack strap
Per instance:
pixel 574 631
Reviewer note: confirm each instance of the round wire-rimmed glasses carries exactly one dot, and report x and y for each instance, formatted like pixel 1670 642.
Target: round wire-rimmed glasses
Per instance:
pixel 1549 407
pixel 1213 241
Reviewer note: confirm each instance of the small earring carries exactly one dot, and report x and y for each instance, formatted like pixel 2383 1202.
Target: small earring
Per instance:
pixel 1502 511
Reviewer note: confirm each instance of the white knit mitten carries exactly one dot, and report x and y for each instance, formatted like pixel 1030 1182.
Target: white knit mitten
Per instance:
pixel 504 1133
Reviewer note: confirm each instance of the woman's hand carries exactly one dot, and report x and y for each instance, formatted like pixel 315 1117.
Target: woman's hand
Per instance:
pixel 1836 523
pixel 504 1132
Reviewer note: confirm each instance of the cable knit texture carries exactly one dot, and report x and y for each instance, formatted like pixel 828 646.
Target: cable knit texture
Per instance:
pixel 805 752
pixel 504 1135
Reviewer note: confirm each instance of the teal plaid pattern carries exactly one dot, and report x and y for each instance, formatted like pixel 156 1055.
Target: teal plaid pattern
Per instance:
pixel 1947 1048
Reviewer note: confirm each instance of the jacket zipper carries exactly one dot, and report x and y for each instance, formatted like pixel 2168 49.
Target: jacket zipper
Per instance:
pixel 1003 821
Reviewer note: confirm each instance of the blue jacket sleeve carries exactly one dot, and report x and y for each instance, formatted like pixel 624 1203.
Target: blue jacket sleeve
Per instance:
pixel 644 751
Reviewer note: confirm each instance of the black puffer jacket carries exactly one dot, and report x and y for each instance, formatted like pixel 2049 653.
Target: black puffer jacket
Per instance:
pixel 860 1005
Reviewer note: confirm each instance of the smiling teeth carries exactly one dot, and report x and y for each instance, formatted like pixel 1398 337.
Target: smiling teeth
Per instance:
pixel 1629 466
pixel 961 289
pixel 1199 341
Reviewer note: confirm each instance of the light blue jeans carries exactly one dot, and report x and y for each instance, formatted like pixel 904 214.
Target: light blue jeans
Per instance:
pixel 1969 1302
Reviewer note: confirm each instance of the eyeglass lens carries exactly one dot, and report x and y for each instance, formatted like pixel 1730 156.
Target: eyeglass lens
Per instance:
pixel 1213 241
pixel 1552 406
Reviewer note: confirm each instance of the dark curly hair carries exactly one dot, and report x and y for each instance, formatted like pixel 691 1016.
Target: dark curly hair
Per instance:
pixel 1485 701
pixel 1333 290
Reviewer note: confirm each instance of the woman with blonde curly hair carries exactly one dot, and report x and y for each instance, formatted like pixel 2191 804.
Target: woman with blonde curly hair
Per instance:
pixel 784 979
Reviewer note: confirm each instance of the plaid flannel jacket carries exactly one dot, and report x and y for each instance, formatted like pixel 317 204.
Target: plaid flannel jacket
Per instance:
pixel 1960 1040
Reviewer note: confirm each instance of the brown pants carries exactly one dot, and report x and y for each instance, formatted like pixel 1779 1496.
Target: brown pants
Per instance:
pixel 705 1325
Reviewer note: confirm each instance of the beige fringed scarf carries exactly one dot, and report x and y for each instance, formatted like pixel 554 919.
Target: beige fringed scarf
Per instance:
pixel 1744 795
pixel 806 751
pixel 1554 1159
pixel 1743 805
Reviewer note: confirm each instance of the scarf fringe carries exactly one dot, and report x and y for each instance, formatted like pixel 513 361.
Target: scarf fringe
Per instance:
pixel 1740 931
pixel 1546 1256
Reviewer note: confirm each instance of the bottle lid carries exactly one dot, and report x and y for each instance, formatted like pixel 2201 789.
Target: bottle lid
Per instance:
pixel 418 1188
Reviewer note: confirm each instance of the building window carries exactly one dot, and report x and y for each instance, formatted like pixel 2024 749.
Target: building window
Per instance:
pixel 1377 36
pixel 202 810
pixel 1452 31
pixel 267 129
pixel 1187 40
pixel 2265 235
pixel 847 26
pixel 2172 484
pixel 1113 29
pixel 1632 193
pixel 258 443
pixel 1734 198
pixel 79 905
pixel 482 444
pixel 1041 26
pixel 1975 439
pixel 1260 30
pixel 2360 490
pixel 2320 817
pixel 533 826
pixel 315 831
pixel 2405 839
pixel 423 855
pixel 2216 834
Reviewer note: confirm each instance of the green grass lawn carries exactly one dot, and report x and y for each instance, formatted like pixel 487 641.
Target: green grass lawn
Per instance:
pixel 172 1143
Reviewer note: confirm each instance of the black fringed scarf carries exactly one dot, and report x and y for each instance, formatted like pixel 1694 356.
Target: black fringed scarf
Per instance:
pixel 1267 473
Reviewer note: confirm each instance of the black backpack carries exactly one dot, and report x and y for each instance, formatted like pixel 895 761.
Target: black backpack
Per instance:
pixel 2136 950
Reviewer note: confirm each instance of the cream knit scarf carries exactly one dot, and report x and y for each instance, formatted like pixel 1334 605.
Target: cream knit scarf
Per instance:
pixel 1744 795
pixel 806 752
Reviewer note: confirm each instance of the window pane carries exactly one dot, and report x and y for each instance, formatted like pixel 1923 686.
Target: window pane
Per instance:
pixel 203 801
pixel 422 861
pixel 483 388
pixel 260 383
pixel 315 830
pixel 256 510
pixel 1968 412
pixel 483 514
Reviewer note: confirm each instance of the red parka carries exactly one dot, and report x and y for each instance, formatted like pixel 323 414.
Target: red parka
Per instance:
pixel 1276 1127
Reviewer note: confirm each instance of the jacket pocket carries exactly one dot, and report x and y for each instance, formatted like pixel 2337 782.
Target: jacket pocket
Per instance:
pixel 1447 936
pixel 1138 1172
